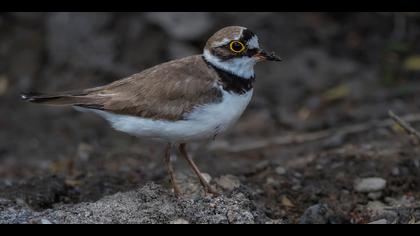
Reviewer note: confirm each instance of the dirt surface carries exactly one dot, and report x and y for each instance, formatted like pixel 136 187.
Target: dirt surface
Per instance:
pixel 340 72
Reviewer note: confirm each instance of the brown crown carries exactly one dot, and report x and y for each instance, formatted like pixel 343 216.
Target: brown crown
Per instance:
pixel 230 32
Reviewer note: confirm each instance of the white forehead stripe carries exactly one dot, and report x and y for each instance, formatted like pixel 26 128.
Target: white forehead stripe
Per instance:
pixel 253 42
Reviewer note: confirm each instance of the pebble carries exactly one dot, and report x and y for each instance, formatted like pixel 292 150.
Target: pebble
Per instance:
pixel 4 201
pixel 45 222
pixel 271 181
pixel 376 208
pixel 274 222
pixel 179 221
pixel 366 185
pixel 285 201
pixel 228 182
pixel 261 165
pixel 280 170
pixel 395 171
pixel 379 222
pixel 207 177
pixel 316 214
pixel 375 195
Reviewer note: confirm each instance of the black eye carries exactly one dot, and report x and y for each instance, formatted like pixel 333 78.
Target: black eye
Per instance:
pixel 236 46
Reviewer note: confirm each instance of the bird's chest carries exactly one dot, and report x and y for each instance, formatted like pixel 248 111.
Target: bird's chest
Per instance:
pixel 211 119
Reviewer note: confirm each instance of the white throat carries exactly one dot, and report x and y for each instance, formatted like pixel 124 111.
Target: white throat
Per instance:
pixel 242 67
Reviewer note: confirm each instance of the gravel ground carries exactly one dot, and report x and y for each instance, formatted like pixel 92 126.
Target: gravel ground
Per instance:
pixel 340 72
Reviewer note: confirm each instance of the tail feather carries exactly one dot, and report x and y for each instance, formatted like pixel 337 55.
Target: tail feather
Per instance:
pixel 65 99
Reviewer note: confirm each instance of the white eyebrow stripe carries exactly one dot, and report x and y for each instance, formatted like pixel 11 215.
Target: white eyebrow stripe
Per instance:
pixel 240 34
pixel 221 43
pixel 225 41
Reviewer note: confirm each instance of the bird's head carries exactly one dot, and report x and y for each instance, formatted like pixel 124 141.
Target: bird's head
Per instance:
pixel 236 49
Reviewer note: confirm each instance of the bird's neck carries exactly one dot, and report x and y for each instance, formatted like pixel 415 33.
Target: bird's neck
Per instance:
pixel 232 82
pixel 242 67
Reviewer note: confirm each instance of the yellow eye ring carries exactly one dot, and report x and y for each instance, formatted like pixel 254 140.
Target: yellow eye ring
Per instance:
pixel 236 46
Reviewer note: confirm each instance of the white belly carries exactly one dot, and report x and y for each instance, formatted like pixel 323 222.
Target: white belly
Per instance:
pixel 204 122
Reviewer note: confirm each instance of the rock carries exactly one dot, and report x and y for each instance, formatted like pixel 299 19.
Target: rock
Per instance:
pixel 280 170
pixel 316 214
pixel 379 222
pixel 261 165
pixel 374 195
pixel 373 184
pixel 4 201
pixel 207 177
pixel 285 201
pixel 403 201
pixel 4 84
pixel 395 171
pixel 274 221
pixel 379 210
pixel 190 185
pixel 45 222
pixel 271 181
pixel 376 207
pixel 179 221
pixel 228 182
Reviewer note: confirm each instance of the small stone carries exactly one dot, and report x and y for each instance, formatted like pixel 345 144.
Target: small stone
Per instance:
pixel 179 221
pixel 376 208
pixel 4 84
pixel 271 181
pixel 274 222
pixel 84 150
pixel 316 214
pixel 395 171
pixel 373 184
pixel 228 182
pixel 280 170
pixel 403 201
pixel 207 177
pixel 88 214
pixel 296 187
pixel 375 195
pixel 262 165
pixel 297 174
pixel 4 201
pixel 45 222
pixel 379 222
pixel 285 201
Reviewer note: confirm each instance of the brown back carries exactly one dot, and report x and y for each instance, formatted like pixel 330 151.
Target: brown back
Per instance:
pixel 167 91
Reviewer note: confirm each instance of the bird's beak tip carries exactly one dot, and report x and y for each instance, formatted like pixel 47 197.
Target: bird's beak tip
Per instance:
pixel 268 56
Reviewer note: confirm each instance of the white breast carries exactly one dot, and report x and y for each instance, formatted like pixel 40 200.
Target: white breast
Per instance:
pixel 204 122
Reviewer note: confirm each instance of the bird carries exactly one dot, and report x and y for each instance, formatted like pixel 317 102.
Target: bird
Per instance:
pixel 180 101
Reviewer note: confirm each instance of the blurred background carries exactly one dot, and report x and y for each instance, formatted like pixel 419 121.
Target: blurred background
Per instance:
pixel 339 69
